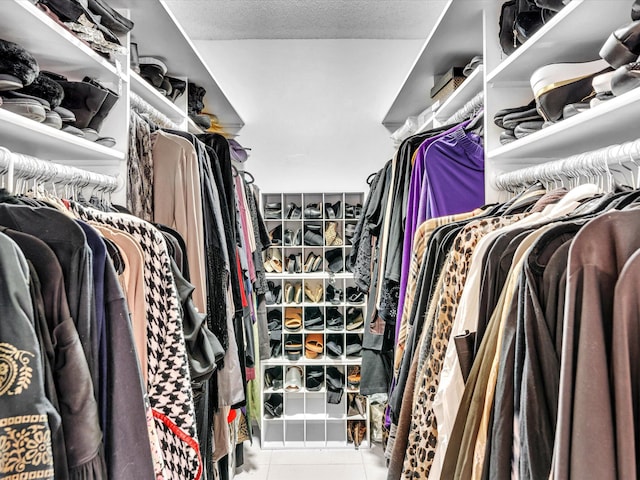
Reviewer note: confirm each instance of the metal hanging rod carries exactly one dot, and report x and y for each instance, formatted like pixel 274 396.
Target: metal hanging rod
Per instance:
pixel 20 166
pixel 468 110
pixel 594 164
pixel 144 108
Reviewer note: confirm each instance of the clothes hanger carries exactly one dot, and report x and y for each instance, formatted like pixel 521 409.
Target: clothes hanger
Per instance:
pixel 371 177
pixel 246 174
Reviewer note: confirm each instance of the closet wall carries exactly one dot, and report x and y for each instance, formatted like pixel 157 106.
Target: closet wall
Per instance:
pixel 312 108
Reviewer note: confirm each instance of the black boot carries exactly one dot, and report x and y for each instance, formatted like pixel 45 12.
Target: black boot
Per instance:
pixel 84 100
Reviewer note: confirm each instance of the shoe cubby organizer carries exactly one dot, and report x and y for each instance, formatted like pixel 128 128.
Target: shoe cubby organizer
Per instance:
pixel 315 314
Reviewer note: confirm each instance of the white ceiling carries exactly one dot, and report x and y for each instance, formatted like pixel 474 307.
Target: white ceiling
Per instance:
pixel 313 19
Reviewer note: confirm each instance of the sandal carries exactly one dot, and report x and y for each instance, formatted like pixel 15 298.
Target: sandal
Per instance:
pixel 313 345
pixel 355 319
pixel 353 377
pixel 335 320
pixel 293 347
pixel 293 318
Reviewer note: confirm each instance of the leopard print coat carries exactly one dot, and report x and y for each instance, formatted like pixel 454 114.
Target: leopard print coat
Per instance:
pixel 423 433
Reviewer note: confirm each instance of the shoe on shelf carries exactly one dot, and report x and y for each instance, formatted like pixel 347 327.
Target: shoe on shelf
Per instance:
pixel 328 211
pixel 308 263
pixel 354 346
pixel 313 345
pixel 273 378
pixel 355 319
pixel 356 405
pixel 353 377
pixel 635 10
pixel 333 295
pixel 314 378
pixel 297 239
pixel 354 295
pixel 273 260
pixel 560 84
pixel 273 405
pixel 625 79
pixel 335 260
pixel 293 318
pixel 349 231
pixel 298 293
pixel 623 45
pixel 288 238
pixel 330 233
pixel 313 211
pixel 298 263
pixel 334 345
pixel 291 264
pixel 312 238
pixel 313 319
pixel 335 319
pixel 293 347
pixel 293 381
pixel 289 293
pixel 274 293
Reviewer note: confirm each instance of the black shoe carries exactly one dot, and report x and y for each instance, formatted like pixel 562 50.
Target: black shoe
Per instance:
pixel 635 10
pixel 106 106
pixel 313 319
pixel 276 235
pixel 625 79
pixel 335 320
pixel 334 345
pixel 297 239
pixel 273 211
pixel 354 346
pixel 334 260
pixel 314 378
pixel 273 378
pixel 273 405
pixel 354 295
pixel 328 211
pixel 623 45
pixel 333 295
pixel 84 99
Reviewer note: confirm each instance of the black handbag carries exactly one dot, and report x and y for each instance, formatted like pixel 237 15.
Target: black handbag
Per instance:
pixel 520 19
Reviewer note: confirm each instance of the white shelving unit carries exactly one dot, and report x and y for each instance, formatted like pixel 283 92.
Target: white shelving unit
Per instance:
pixel 454 40
pixel 58 50
pixel 575 34
pixel 307 419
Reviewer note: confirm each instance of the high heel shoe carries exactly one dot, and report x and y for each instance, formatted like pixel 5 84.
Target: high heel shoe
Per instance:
pixel 288 238
pixel 329 212
pixel 297 239
pixel 298 263
pixel 355 320
pixel 308 263
pixel 291 264
pixel 337 209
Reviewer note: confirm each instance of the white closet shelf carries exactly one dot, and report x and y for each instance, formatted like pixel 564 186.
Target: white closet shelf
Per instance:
pixel 611 122
pixel 305 416
pixel 55 48
pixel 27 136
pixel 149 94
pixel 453 41
pixel 465 92
pixel 159 34
pixel 575 34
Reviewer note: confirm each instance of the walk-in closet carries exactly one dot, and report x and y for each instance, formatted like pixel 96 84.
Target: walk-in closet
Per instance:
pixel 277 239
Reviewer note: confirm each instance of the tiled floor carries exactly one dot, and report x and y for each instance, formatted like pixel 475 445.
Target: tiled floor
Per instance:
pixel 363 464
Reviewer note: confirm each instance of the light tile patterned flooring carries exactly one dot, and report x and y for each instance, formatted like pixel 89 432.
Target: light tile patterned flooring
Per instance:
pixel 311 464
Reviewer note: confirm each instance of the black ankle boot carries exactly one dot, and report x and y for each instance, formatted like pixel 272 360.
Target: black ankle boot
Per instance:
pixel 84 100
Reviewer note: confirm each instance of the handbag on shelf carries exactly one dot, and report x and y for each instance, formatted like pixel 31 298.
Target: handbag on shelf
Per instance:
pixel 520 19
